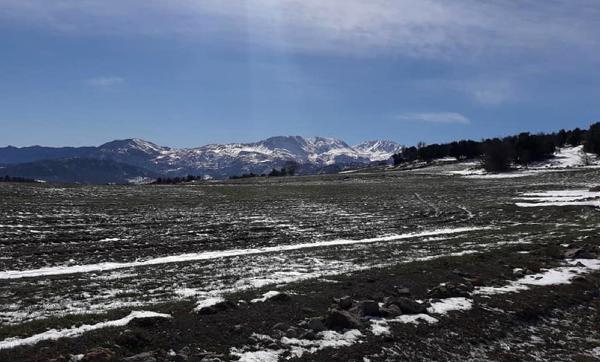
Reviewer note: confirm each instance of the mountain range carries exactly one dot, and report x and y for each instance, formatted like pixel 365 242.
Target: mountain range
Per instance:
pixel 129 159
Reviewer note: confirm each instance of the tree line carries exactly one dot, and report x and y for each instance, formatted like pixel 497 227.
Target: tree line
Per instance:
pixel 176 180
pixel 289 169
pixel 499 154
pixel 15 179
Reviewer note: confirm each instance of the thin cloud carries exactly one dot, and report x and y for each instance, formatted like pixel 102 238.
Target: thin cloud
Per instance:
pixel 104 82
pixel 439 117
pixel 452 30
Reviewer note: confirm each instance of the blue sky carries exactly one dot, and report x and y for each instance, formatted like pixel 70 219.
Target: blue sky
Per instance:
pixel 185 73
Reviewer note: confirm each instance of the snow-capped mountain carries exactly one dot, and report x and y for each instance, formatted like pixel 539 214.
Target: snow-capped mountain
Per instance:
pixel 222 160
pixel 378 150
pixel 258 157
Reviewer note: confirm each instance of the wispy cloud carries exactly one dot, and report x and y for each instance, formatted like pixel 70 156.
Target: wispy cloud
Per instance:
pixel 454 30
pixel 434 117
pixel 484 90
pixel 104 82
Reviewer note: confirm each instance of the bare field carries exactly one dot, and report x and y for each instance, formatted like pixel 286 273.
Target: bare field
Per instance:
pixel 81 254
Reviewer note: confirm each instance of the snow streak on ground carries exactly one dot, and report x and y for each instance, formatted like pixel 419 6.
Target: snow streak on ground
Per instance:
pixel 209 275
pixel 208 303
pixel 54 334
pixel 100 267
pixel 555 276
pixel 560 198
pixel 268 295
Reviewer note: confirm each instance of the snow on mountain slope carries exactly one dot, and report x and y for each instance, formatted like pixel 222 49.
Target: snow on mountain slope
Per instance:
pixel 378 150
pixel 132 145
pixel 261 156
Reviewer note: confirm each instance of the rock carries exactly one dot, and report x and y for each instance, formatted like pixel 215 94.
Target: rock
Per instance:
pixel 449 290
pixel 281 297
pixel 292 332
pixel 476 281
pixel 281 326
pixel 579 253
pixel 341 319
pixel 218 307
pixel 461 273
pixel 377 296
pixel 307 310
pixel 390 310
pixel 369 308
pixel 207 310
pixel 186 351
pixel 310 335
pixel 518 272
pixel 130 339
pixel 142 357
pixel 238 328
pixel 580 279
pixel 345 302
pixel 179 358
pixel 151 322
pixel 409 306
pixel 225 305
pixel 403 292
pixel 316 325
pixel 98 354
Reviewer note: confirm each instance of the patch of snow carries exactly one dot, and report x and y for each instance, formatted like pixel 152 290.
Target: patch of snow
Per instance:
pixel 55 334
pixel 380 327
pixel 560 198
pixel 108 239
pixel 567 157
pixel 414 319
pixel 269 355
pixel 450 304
pixel 266 296
pixel 564 159
pixel 325 339
pixel 208 303
pixel 555 276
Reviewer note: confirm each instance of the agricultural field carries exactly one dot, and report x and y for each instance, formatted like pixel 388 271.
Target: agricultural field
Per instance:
pixel 373 266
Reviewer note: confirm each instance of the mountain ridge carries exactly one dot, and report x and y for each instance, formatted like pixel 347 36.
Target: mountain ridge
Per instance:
pixel 311 154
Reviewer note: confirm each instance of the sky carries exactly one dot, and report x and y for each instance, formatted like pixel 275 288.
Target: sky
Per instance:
pixel 185 73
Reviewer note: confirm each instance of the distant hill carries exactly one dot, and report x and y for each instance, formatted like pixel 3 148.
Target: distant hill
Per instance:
pixel 13 155
pixel 77 170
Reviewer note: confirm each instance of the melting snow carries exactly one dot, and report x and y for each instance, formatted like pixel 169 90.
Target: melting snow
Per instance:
pixel 560 198
pixel 325 339
pixel 555 276
pixel 55 334
pixel 450 304
pixel 267 295
pixel 258 356
pixel 208 303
